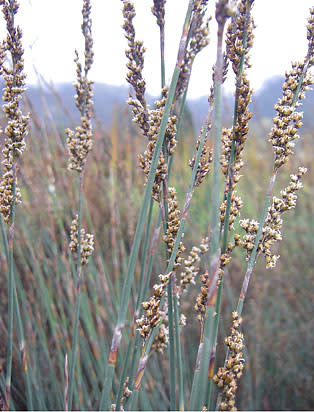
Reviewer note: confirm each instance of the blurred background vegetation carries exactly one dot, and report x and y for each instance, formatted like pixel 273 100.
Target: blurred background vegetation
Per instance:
pixel 278 315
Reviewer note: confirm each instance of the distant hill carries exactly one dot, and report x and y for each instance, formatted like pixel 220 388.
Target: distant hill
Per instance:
pixel 106 97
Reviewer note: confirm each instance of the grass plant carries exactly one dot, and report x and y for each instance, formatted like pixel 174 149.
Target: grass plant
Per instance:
pixel 141 322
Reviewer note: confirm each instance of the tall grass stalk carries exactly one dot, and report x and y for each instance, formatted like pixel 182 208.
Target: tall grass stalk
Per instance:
pixel 229 190
pixel 145 352
pixel 13 147
pixel 105 401
pixel 78 149
pixel 201 371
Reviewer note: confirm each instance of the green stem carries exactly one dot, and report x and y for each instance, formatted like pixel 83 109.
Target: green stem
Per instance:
pixel 105 402
pixel 143 360
pixel 138 303
pixel 10 291
pixel 78 297
pixel 200 378
pixel 179 352
pixel 228 207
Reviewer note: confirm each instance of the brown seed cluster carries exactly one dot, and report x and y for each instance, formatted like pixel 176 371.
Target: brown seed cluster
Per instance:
pixel 126 392
pixel 152 314
pixel 202 297
pixel 310 37
pixel 206 159
pixel 173 226
pixel 201 300
pixel 228 376
pixel 145 159
pixel 162 339
pixel 272 228
pixel 80 142
pixel 87 242
pixel 191 267
pixel 135 64
pixel 236 45
pixel 158 11
pixel 198 40
pixel 16 129
pixel 288 120
pixel 235 207
pixel 237 51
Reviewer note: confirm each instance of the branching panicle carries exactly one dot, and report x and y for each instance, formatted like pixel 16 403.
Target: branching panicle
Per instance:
pixel 206 159
pixel 191 266
pixel 287 121
pixel 145 159
pixel 272 228
pixel 198 40
pixel 228 376
pixel 152 313
pixel 87 242
pixel 135 64
pixel 80 141
pixel 173 226
pixel 16 129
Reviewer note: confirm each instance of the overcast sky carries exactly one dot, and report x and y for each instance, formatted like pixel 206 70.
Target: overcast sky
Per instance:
pixel 52 31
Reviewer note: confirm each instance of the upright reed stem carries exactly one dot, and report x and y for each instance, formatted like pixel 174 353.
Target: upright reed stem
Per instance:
pixel 105 398
pixel 78 296
pixel 202 363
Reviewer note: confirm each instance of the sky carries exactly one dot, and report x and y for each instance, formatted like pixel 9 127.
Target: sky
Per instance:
pixel 51 32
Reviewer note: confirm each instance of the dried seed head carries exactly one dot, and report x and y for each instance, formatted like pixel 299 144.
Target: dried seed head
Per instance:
pixel 236 205
pixel 152 314
pixel 158 11
pixel 135 55
pixel 288 120
pixel 271 232
pixel 206 159
pixel 87 242
pixel 79 142
pixel 191 267
pixel 173 226
pixel 145 159
pixel 228 376
pixel 162 339
pixel 16 129
pixel 198 40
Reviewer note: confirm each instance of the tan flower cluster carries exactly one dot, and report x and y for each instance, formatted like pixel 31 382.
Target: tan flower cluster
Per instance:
pixel 173 226
pixel 158 11
pixel 191 266
pixel 272 228
pixel 288 120
pixel 236 205
pixel 235 35
pixel 135 64
pixel 126 391
pixel 201 300
pixel 87 242
pixel 162 339
pixel 16 130
pixel 198 40
pixel 145 159
pixel 228 376
pixel 152 314
pixel 310 37
pixel 202 297
pixel 237 49
pixel 79 142
pixel 206 159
